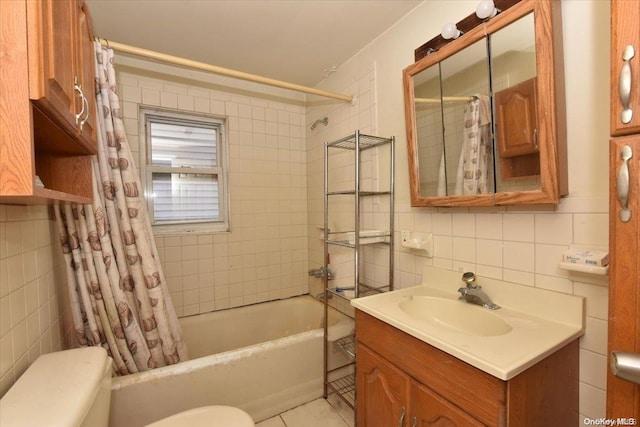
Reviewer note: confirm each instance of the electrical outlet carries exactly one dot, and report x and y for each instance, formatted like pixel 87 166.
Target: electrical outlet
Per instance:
pixel 405 235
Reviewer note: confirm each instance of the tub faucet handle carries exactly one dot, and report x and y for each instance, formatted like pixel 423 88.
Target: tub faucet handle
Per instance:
pixel 322 272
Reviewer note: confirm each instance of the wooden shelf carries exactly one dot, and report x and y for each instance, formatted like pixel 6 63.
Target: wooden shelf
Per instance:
pixel 44 196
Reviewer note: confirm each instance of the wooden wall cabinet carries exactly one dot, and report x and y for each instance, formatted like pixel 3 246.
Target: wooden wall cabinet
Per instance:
pixel 517 120
pixel 516 131
pixel 402 381
pixel 48 102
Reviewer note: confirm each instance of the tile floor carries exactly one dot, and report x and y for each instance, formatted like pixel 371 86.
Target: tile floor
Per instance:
pixel 317 413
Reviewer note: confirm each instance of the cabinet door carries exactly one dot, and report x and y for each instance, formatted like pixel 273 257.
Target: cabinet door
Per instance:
pixel 382 390
pixel 516 119
pixel 53 56
pixel 428 409
pixel 623 397
pixel 85 66
pixel 625 67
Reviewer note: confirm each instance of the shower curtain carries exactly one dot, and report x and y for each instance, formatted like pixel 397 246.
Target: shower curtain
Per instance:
pixel 474 164
pixel 117 288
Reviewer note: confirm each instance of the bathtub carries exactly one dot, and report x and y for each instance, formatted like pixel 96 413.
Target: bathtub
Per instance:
pixel 264 358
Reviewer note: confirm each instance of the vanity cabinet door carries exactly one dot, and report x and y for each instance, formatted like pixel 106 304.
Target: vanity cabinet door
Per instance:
pixel 428 409
pixel 382 390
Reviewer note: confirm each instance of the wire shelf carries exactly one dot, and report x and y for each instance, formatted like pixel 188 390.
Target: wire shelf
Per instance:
pixel 361 192
pixel 363 291
pixel 366 290
pixel 345 388
pixel 348 345
pixel 364 141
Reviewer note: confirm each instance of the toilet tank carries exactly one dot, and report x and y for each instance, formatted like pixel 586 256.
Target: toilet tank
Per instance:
pixel 70 388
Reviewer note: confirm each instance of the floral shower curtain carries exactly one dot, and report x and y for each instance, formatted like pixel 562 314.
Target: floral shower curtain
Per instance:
pixel 117 288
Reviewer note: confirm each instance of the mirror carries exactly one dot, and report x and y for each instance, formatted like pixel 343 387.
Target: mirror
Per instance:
pixel 513 77
pixel 429 129
pixel 466 108
pixel 481 113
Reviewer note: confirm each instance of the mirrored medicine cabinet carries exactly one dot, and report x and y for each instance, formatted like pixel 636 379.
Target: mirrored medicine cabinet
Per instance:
pixel 485 113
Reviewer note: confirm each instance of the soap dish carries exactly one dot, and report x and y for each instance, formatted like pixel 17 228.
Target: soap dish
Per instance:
pixel 584 268
pixel 589 260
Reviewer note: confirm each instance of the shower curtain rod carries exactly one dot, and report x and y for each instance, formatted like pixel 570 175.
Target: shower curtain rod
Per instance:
pixel 176 60
pixel 445 99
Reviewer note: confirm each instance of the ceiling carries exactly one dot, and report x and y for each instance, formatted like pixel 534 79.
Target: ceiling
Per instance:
pixel 298 41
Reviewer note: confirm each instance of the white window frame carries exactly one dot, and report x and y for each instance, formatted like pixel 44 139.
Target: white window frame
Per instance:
pixel 147 114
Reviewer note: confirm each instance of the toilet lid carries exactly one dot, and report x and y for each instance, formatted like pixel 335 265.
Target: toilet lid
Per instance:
pixel 207 416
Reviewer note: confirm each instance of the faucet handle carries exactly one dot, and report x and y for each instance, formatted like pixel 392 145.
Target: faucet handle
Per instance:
pixel 469 279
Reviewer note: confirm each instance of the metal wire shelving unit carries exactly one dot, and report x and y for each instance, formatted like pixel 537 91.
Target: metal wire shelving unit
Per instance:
pixel 341 380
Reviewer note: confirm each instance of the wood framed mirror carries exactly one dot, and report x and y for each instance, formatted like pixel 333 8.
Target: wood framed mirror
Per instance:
pixel 485 113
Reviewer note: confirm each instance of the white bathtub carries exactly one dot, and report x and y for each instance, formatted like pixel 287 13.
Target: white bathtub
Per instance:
pixel 265 359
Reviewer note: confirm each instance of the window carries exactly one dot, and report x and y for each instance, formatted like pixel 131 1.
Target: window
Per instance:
pixel 185 171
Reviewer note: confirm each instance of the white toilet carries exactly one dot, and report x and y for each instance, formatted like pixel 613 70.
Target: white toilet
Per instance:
pixel 72 388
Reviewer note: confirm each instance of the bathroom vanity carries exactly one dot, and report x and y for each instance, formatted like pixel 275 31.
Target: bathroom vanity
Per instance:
pixel 424 357
pixel 398 374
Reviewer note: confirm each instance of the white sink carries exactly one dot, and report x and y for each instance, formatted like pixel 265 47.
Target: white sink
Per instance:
pixel 531 323
pixel 457 315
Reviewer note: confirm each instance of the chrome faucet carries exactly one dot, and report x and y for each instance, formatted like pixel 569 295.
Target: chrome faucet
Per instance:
pixel 472 293
pixel 321 272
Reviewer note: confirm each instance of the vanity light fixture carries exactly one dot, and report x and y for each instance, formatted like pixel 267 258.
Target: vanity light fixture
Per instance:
pixel 486 9
pixel 450 31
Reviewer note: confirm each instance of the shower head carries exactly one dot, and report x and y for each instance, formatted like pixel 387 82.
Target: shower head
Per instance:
pixel 324 121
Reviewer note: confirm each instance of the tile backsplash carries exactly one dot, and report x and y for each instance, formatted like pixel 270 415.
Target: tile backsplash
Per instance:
pixel 33 300
pixel 523 247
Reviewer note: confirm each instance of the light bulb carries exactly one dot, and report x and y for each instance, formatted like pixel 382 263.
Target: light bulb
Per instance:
pixel 450 31
pixel 486 9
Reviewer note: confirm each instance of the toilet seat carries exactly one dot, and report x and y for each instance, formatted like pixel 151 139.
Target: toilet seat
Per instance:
pixel 207 416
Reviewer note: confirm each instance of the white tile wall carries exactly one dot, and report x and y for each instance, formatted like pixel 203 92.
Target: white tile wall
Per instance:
pixel 525 248
pixel 33 300
pixel 264 256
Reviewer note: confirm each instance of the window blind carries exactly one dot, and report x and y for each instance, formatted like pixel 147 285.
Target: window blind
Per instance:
pixel 185 170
